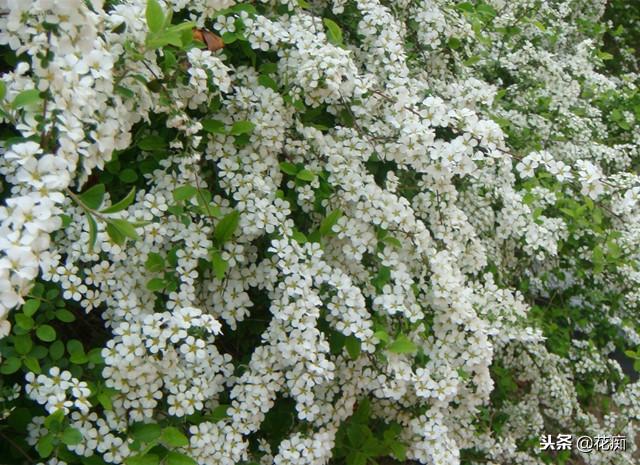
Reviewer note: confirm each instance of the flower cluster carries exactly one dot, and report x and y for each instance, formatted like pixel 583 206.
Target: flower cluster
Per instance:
pixel 425 206
pixel 52 391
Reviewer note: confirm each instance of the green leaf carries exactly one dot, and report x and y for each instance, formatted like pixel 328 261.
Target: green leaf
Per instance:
pixel 104 397
pixel 334 33
pixel 147 432
pixel 229 37
pixel 142 459
pixel 154 263
pixel 353 345
pixel 226 227
pixel 95 356
pixel 172 256
pixel 46 333
pixel 486 10
pixel 203 199
pixel 471 60
pixel 363 412
pixel 382 335
pixel 30 307
pixel 79 357
pixel 39 352
pixel 152 144
pixel 614 250
pixel 268 81
pixel 392 432
pixel 127 93
pixel 122 204
pixel 176 458
pixel 356 457
pixel 357 434
pixel 32 364
pixel 539 25
pixel 528 198
pixel 56 350
pixel 314 236
pixel 10 365
pixel 154 15
pixel 213 126
pixel 167 38
pixel 173 437
pixel 93 232
pixel 393 241
pixel 52 293
pixel 399 450
pixel 25 98
pixel 220 412
pixel 170 59
pixel 598 259
pixel 382 277
pixel 124 227
pixel 604 55
pixel 570 212
pixel 65 315
pixel 240 7
pixel 183 193
pixel 465 7
pixel 45 445
pixel 288 168
pixel 179 28
pixel 71 436
pixel 402 345
pixel 128 176
pixel 331 219
pixel 454 43
pixel 299 237
pixel 23 343
pixel 3 89
pixel 23 321
pixel 167 19
pixel 219 264
pixel 242 127
pixel 54 420
pixel 93 197
pixel 75 347
pixel 155 284
pixel 305 175
pixel 336 342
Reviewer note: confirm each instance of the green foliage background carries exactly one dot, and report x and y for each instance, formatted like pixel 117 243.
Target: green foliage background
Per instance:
pixel 48 330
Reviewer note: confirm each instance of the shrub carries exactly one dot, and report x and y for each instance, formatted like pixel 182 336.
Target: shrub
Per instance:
pixel 301 231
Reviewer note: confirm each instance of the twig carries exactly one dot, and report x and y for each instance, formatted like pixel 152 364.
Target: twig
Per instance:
pixel 82 205
pixel 17 447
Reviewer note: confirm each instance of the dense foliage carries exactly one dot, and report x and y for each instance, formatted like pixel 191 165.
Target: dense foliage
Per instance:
pixel 345 230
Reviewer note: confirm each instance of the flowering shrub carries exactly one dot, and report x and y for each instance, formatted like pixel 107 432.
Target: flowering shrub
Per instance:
pixel 343 231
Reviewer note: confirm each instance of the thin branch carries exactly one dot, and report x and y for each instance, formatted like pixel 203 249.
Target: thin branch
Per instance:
pixel 17 447
pixel 82 205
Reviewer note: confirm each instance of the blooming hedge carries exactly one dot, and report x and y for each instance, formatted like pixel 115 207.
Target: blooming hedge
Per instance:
pixel 302 232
